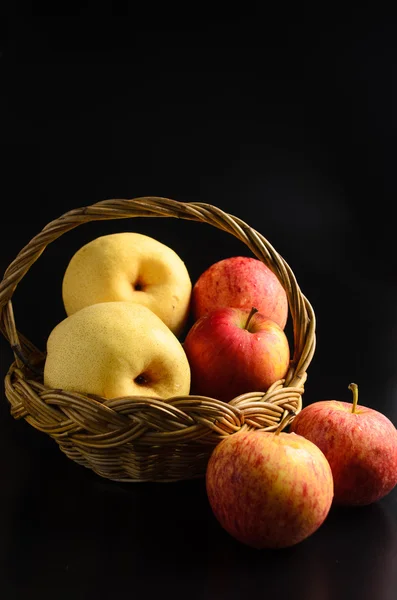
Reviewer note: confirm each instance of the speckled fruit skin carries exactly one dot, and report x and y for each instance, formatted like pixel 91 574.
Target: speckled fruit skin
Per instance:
pixel 116 349
pixel 240 282
pixel 361 448
pixel 129 267
pixel 268 490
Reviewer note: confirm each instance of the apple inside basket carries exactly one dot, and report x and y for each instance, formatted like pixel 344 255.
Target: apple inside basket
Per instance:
pixel 118 388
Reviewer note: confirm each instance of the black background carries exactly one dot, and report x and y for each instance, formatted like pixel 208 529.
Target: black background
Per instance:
pixel 285 120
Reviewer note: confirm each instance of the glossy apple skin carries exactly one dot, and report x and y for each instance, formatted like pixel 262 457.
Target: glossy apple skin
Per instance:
pixel 361 448
pixel 240 282
pixel 227 360
pixel 267 490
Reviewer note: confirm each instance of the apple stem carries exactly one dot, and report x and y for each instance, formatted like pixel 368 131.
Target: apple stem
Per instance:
pixel 285 421
pixel 354 388
pixel 253 311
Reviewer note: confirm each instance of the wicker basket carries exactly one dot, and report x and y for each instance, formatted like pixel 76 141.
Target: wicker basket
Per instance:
pixel 138 438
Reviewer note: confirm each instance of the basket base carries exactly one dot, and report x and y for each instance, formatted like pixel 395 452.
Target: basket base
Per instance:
pixel 132 466
pixel 138 439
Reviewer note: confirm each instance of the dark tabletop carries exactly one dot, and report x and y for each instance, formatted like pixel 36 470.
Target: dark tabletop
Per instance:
pixel 292 129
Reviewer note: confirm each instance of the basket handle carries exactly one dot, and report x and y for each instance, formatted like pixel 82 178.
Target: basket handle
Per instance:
pixel 301 311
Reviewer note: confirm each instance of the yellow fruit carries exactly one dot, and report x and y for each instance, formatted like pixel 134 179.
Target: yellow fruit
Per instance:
pixel 129 267
pixel 115 349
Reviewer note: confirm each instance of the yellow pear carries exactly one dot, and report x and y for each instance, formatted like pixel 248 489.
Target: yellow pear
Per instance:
pixel 129 267
pixel 115 349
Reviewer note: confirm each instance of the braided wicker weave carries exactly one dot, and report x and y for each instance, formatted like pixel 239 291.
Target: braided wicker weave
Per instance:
pixel 137 438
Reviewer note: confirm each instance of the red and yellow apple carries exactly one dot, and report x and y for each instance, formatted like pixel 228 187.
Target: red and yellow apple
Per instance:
pixel 232 351
pixel 269 490
pixel 240 282
pixel 360 444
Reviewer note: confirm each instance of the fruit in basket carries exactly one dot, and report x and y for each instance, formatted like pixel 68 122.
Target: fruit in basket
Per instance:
pixel 232 351
pixel 269 490
pixel 360 444
pixel 129 267
pixel 116 349
pixel 240 282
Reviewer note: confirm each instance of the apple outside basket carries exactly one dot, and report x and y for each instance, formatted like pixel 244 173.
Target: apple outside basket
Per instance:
pixel 137 438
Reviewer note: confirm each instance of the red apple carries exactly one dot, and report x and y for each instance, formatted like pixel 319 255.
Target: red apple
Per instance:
pixel 232 351
pixel 360 444
pixel 269 490
pixel 240 282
